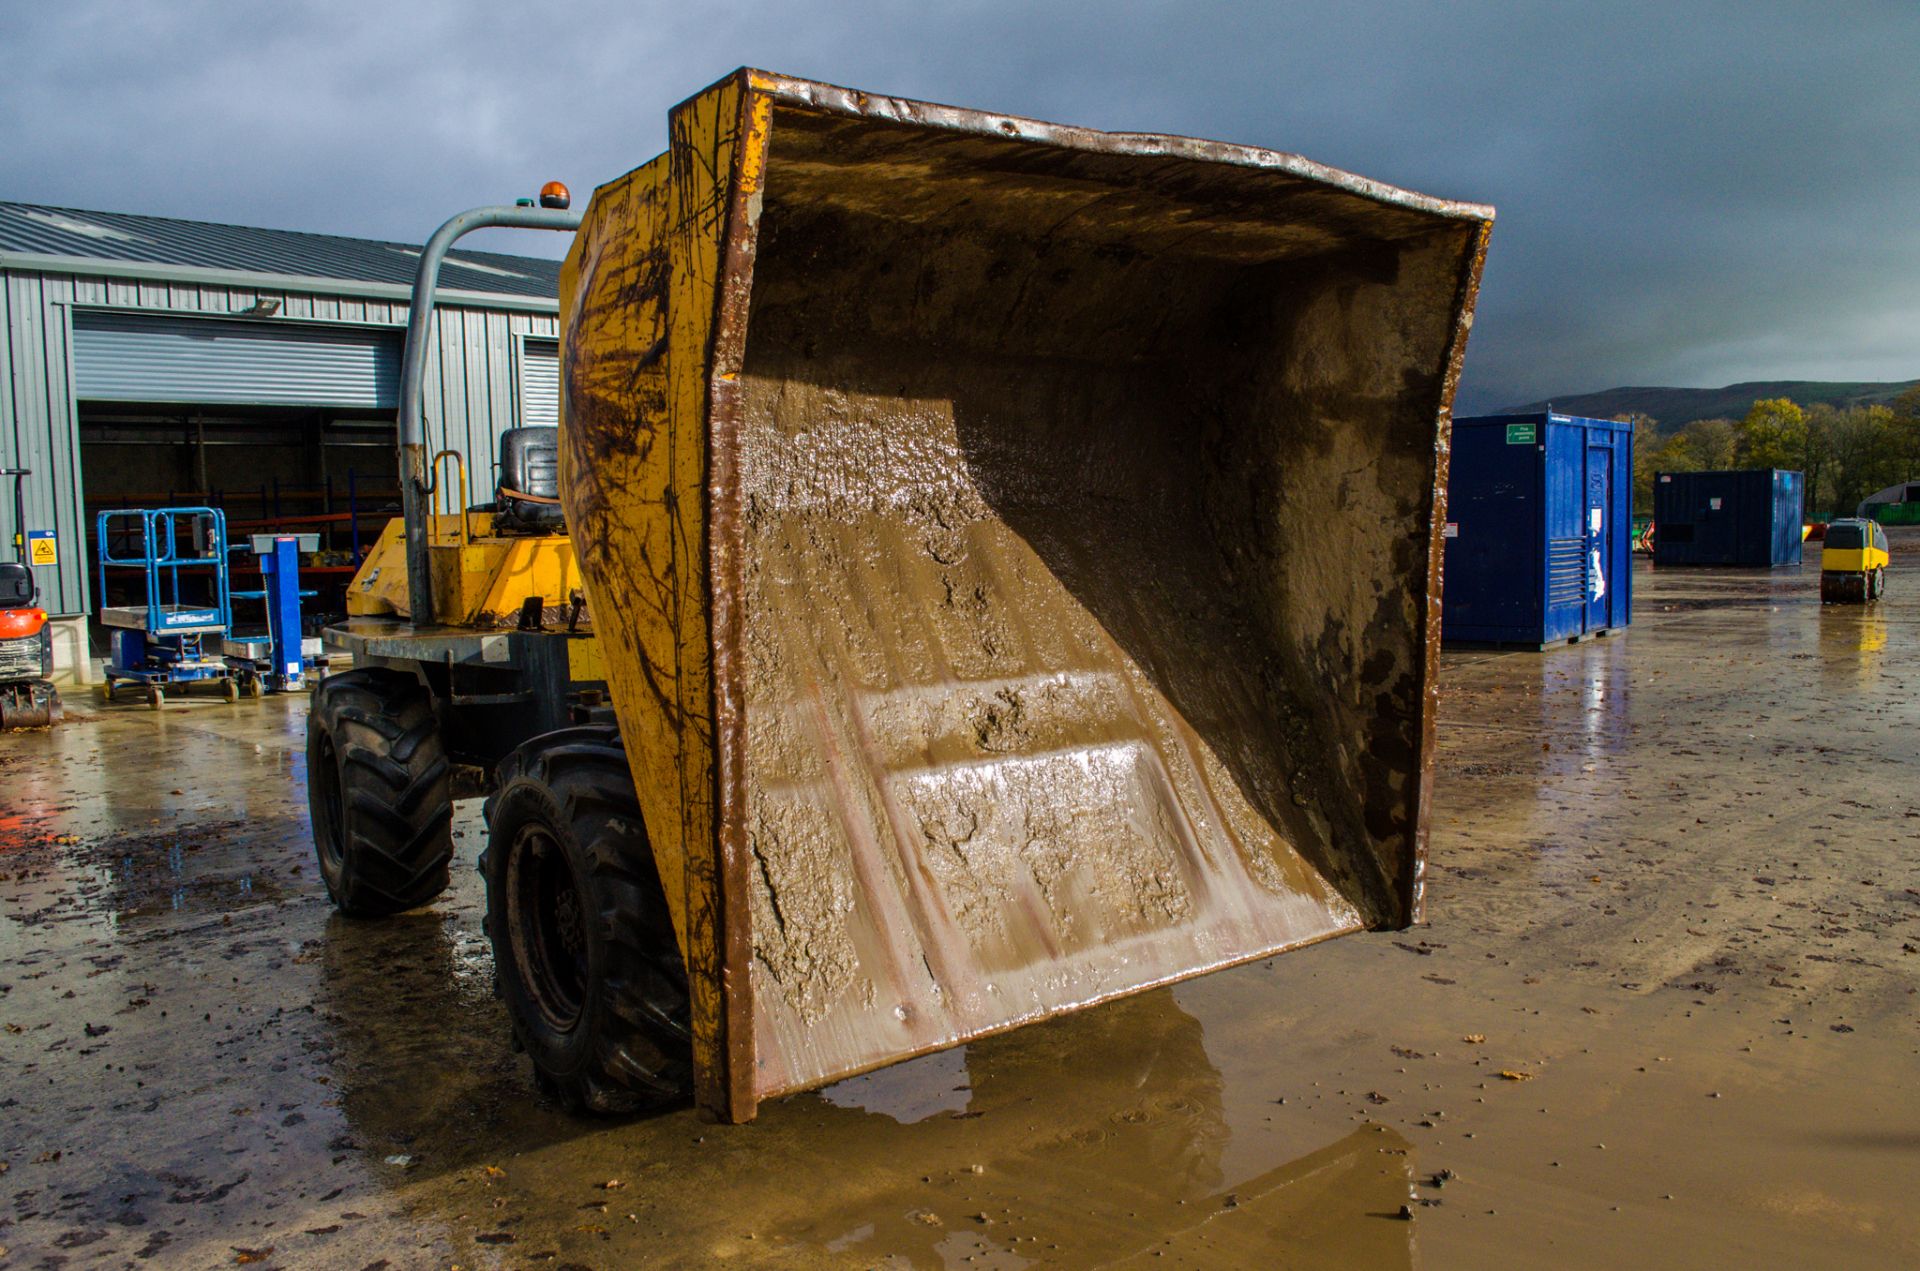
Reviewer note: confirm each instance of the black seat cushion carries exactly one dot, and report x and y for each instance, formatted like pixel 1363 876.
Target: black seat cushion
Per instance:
pixel 527 497
pixel 16 585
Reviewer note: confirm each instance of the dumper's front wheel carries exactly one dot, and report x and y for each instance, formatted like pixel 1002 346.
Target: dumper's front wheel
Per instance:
pixel 583 947
pixel 380 792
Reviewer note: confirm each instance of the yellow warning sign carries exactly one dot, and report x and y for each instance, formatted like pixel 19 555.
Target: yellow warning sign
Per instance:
pixel 42 548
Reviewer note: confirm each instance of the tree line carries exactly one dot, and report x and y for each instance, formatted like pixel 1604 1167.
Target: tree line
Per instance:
pixel 1846 453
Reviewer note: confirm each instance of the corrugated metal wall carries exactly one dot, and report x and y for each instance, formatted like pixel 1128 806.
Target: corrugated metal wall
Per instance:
pixel 472 393
pixel 37 429
pixel 472 390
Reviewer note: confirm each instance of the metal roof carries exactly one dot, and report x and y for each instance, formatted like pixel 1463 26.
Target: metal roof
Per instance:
pixel 28 230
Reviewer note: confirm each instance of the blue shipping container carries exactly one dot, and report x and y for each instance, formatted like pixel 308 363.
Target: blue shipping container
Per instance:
pixel 1727 518
pixel 1539 533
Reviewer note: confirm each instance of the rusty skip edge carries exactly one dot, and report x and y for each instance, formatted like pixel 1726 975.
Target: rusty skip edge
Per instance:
pixel 832 99
pixel 757 92
pixel 727 356
pixel 1414 884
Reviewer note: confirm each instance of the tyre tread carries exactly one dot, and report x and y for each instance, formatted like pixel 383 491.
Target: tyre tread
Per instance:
pixel 396 790
pixel 640 1054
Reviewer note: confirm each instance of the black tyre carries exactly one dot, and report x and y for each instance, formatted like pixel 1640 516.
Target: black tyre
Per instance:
pixel 379 791
pixel 583 946
pixel 1879 582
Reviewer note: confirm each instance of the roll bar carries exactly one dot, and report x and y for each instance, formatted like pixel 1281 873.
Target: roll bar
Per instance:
pixel 415 480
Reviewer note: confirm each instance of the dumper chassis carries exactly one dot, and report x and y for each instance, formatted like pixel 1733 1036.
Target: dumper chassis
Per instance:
pixel 585 959
pixel 1007 580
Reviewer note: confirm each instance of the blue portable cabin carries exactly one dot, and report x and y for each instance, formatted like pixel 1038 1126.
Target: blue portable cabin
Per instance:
pixel 1750 517
pixel 1539 532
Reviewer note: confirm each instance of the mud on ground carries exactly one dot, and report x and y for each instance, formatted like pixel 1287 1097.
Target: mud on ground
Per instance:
pixel 1665 1015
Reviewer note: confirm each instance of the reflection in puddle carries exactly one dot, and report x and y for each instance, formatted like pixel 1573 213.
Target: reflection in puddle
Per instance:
pixel 1126 1160
pixel 414 1047
pixel 128 878
pixel 1588 686
pixel 909 1092
pixel 1852 638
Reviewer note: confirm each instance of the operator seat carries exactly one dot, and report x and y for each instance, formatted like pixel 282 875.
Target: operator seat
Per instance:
pixel 16 586
pixel 526 498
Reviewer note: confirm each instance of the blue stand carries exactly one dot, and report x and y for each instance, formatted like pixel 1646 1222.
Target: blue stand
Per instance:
pixel 278 663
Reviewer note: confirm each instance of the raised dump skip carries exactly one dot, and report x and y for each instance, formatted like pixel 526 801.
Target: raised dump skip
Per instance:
pixel 1014 551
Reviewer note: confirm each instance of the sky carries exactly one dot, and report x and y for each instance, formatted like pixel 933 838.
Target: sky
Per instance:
pixel 1688 193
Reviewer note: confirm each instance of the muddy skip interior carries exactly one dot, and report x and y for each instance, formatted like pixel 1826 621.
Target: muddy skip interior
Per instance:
pixel 1084 511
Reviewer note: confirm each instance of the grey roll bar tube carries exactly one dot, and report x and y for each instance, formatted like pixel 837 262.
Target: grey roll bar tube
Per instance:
pixel 20 476
pixel 413 376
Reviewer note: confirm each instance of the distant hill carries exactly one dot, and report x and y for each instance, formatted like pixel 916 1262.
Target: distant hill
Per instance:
pixel 1676 406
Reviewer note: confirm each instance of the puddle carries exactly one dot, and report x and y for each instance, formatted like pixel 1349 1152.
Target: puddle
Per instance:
pixel 201 869
pixel 932 1085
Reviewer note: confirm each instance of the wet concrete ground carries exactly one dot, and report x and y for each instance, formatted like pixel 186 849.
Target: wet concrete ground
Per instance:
pixel 1665 1015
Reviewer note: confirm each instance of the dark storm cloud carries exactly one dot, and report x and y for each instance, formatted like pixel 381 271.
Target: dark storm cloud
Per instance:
pixel 1688 193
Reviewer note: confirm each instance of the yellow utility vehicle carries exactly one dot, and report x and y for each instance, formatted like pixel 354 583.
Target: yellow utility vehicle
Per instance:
pixel 1853 562
pixel 1008 559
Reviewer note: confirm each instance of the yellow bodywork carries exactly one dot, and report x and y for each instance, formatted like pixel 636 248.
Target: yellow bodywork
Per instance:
pixel 479 579
pixel 1852 560
pixel 637 512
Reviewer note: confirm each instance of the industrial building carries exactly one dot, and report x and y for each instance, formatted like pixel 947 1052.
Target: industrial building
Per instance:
pixel 1896 505
pixel 153 361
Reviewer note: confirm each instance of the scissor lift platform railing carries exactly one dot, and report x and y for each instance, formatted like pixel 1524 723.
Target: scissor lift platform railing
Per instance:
pixel 165 641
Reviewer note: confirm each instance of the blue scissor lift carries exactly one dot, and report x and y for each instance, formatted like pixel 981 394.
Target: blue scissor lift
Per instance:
pixel 166 641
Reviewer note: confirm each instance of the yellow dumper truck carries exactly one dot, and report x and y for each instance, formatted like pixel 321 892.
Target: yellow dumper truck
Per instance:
pixel 1853 562
pixel 1007 579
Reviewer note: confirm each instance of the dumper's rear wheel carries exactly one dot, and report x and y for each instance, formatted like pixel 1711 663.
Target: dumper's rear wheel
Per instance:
pixel 380 792
pixel 583 947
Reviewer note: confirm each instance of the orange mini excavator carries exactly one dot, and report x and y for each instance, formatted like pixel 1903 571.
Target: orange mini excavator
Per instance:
pixel 27 696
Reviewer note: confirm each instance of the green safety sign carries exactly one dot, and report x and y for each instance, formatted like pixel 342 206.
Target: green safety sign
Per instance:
pixel 1520 435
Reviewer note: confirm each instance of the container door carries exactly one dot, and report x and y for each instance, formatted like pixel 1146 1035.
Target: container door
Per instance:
pixel 1566 525
pixel 1599 514
pixel 1788 499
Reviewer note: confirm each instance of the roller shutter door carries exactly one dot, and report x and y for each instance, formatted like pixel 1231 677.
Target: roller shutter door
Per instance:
pixel 138 357
pixel 540 382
